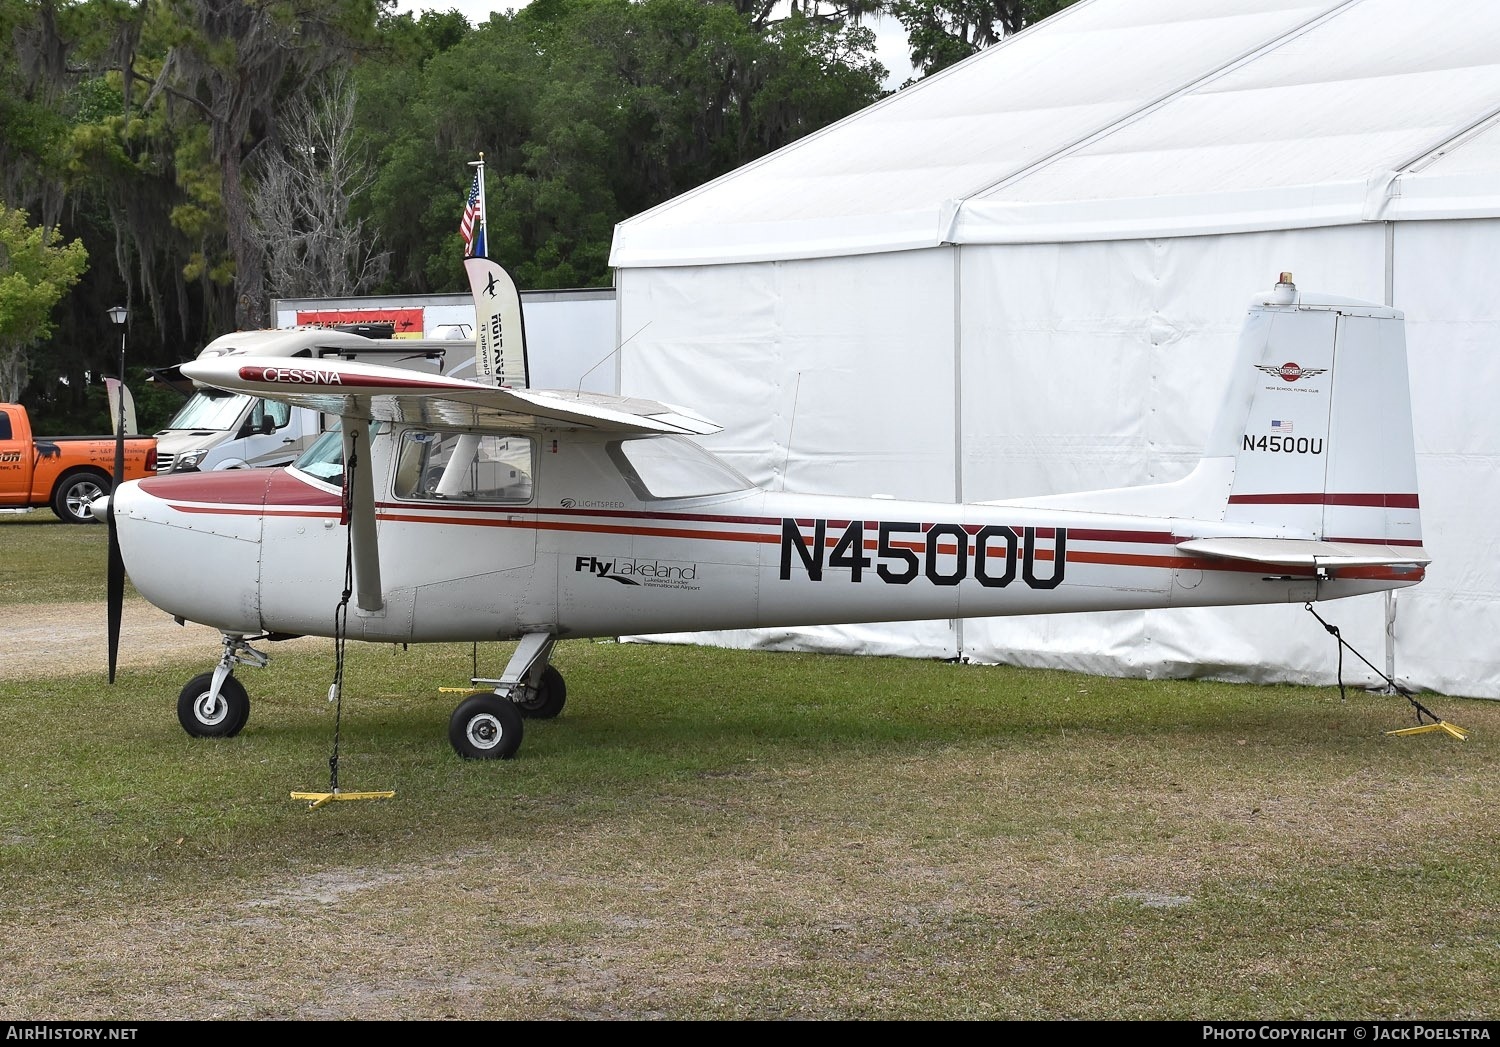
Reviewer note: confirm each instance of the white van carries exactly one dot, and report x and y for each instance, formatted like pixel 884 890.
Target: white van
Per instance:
pixel 219 430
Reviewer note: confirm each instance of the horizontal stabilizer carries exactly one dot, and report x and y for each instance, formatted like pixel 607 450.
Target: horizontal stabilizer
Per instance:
pixel 1300 552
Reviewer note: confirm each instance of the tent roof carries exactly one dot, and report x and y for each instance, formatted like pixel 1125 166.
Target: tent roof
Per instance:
pixel 1117 119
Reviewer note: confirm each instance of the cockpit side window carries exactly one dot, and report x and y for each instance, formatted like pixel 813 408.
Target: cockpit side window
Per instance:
pixel 464 467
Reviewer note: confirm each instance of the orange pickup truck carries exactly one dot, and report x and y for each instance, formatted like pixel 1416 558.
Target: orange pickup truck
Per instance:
pixel 64 472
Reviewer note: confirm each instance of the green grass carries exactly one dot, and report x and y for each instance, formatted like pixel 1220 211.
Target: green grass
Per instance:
pixel 716 834
pixel 42 559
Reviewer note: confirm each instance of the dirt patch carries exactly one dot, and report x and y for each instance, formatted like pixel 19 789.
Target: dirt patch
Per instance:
pixel 62 639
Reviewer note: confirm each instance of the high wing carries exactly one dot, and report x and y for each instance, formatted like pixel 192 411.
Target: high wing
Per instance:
pixel 372 392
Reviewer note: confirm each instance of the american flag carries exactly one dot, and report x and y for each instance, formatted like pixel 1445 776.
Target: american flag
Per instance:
pixel 1280 426
pixel 472 226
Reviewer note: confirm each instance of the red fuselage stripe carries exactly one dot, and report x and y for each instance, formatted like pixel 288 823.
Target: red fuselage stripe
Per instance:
pixel 1374 501
pixel 528 520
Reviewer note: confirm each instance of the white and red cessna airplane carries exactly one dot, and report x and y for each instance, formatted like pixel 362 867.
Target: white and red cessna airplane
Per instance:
pixel 484 510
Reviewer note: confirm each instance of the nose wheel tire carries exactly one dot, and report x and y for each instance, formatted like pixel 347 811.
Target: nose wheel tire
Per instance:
pixel 203 716
pixel 485 727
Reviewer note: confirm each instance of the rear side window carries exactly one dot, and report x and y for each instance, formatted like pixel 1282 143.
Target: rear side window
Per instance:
pixel 4 426
pixel 464 467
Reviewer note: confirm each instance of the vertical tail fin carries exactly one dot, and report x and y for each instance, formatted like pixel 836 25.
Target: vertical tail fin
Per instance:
pixel 1317 436
pixel 1325 448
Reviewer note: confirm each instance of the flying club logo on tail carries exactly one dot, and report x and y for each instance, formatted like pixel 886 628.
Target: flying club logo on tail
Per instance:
pixel 1291 371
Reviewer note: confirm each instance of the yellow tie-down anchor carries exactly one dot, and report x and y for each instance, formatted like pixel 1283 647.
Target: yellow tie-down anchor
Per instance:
pixel 321 799
pixel 1461 733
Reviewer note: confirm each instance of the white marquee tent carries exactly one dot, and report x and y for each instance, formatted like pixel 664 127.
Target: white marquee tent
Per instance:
pixel 1026 274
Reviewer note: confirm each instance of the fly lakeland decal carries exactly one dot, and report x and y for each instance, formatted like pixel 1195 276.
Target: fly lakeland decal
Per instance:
pixel 660 574
pixel 942 553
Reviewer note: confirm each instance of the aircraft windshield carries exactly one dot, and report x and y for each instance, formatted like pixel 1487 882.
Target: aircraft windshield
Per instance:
pixel 210 409
pixel 324 460
pixel 673 467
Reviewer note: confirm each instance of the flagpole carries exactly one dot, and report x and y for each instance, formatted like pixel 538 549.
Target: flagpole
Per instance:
pixel 483 216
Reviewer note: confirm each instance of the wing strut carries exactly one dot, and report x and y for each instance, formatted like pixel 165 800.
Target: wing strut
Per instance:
pixel 359 509
pixel 352 471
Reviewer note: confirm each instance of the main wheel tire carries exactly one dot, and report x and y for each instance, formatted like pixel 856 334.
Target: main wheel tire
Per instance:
pixel 72 497
pixel 485 727
pixel 222 718
pixel 551 695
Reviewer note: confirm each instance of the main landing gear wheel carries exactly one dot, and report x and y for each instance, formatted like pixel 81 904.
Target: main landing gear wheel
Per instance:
pixel 485 726
pixel 204 716
pixel 548 699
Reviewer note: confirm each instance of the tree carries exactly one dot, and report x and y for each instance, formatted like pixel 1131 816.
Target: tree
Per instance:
pixel 54 109
pixel 231 62
pixel 426 116
pixel 589 111
pixel 145 127
pixel 301 198
pixel 944 32
pixel 35 273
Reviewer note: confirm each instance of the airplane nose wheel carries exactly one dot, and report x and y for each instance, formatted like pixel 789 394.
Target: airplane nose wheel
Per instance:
pixel 485 727
pixel 204 716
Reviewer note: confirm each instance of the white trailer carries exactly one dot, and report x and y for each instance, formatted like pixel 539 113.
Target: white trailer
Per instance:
pixel 570 339
pixel 571 334
pixel 219 430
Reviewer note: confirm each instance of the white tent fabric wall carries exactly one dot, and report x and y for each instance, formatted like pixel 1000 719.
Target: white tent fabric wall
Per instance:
pixel 1446 273
pixel 1115 361
pixel 1026 276
pixel 863 405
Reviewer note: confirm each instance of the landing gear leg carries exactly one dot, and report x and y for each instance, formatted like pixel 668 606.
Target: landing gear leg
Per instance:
pixel 215 705
pixel 530 681
pixel 487 725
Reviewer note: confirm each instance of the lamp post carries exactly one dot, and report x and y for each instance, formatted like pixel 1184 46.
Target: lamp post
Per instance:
pixel 117 316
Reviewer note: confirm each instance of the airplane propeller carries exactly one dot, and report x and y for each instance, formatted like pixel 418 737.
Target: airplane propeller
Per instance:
pixel 115 581
pixel 115 592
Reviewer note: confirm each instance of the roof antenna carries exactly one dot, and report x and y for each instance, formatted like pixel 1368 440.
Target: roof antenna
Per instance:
pixel 790 429
pixel 607 355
